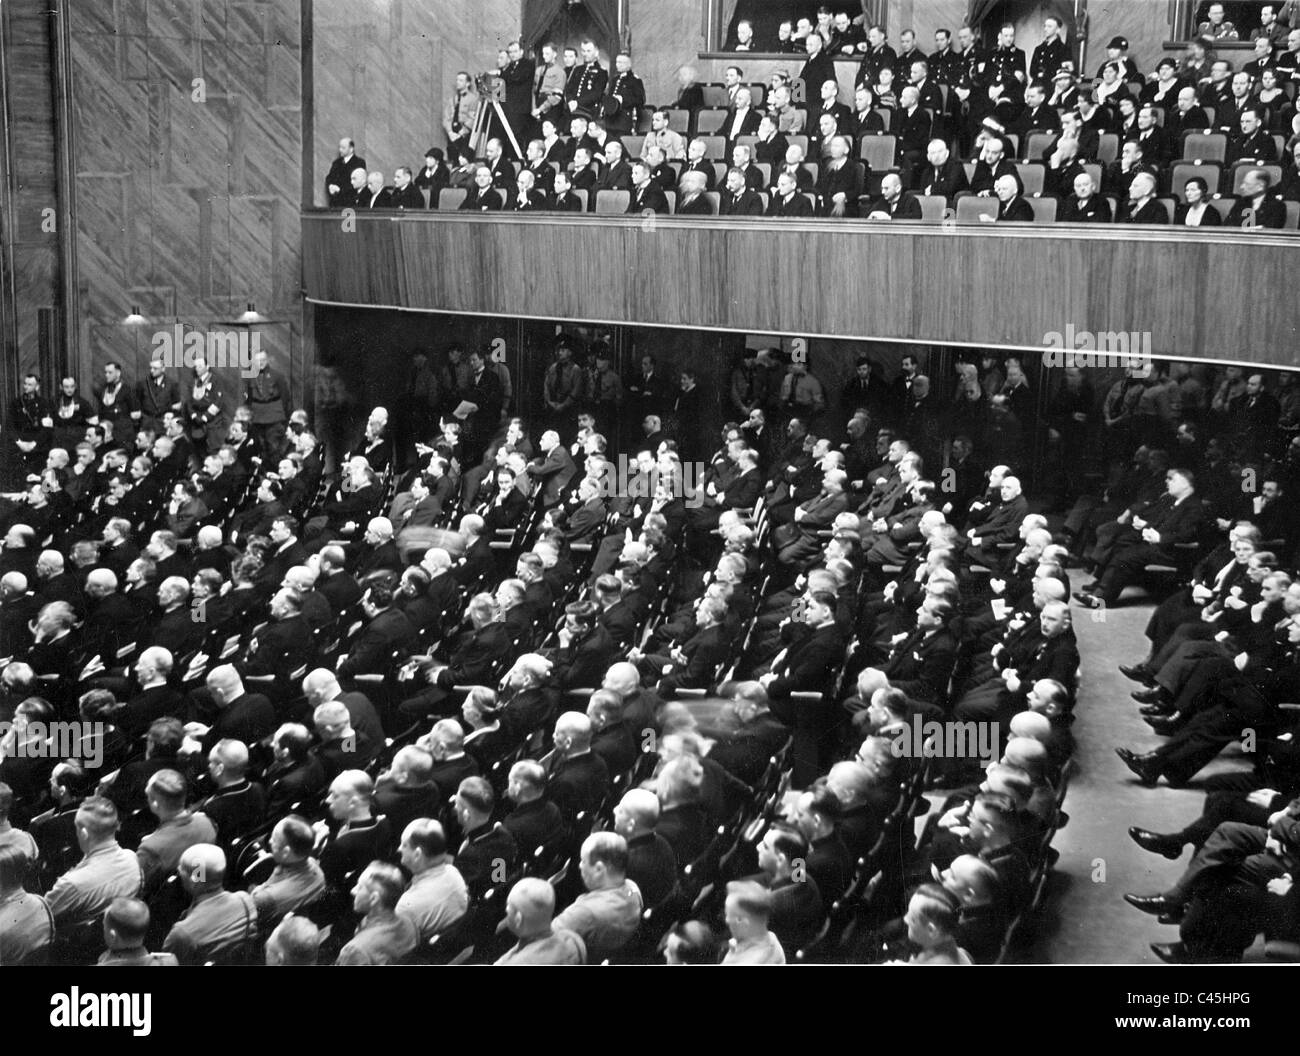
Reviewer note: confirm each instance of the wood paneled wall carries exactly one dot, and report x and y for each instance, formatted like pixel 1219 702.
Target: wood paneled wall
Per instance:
pixel 188 144
pixel 30 227
pixel 1199 296
pixel 382 70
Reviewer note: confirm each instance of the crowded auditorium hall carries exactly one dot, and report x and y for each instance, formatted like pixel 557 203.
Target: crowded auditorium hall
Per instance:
pixel 852 519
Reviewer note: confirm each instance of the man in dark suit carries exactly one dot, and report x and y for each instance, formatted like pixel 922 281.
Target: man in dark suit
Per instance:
pixel 745 746
pixel 697 162
pixel 1186 116
pixel 578 778
pixel 1255 207
pixel 741 120
pixel 405 195
pixel 1174 518
pixel 647 195
pixel 585 648
pixel 387 632
pixel 517 75
pixel 338 179
pixel 234 713
pixel 829 92
pixel 473 660
pixel 817 69
pixel 1036 117
pixel 482 197
pixel 737 199
pixel 617 174
pixel 285 644
pixel 808 664
pixel 238 805
pixel 912 127
pixel 1085 205
pixel 944 175
pixel 552 470
pixel 894 203
pixel 921 664
pixel 772 145
pixel 1012 206
pixel 1229 108
pixel 1141 206
pixel 1250 142
pixel 376 195
pixel 786 200
pixel 863 121
pixel 992 164
pixel 526 198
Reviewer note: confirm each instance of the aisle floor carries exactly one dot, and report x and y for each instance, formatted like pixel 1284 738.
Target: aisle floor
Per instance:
pixel 1085 919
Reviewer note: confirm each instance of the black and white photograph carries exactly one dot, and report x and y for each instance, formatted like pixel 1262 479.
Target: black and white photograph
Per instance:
pixel 639 483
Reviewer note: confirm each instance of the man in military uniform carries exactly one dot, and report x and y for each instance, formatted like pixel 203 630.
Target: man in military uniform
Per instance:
pixel 30 422
pixel 267 395
pixel 205 409
pixel 587 83
pixel 1051 54
pixel 1005 64
pixel 623 100
pixel 945 63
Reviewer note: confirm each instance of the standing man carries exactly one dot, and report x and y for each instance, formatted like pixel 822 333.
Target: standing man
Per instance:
pixel 114 401
pixel 1051 55
pixel 458 119
pixel 586 87
pixel 517 74
pixel 548 84
pixel 205 409
pixel 337 179
pixel 158 394
pixel 267 396
pixel 31 422
pixel 624 99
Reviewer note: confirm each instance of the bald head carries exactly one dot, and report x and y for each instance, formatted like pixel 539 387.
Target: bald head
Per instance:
pixel 622 678
pixel 1033 725
pixel 300 577
pixel 320 685
pixel 202 868
pixel 225 684
pixel 573 731
pixel 529 907
pixel 101 581
pixel 13 583
pixel 637 812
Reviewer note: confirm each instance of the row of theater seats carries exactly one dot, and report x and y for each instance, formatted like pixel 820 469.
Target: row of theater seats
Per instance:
pixel 934 208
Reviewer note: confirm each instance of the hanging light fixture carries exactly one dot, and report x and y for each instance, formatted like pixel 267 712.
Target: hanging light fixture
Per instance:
pixel 135 318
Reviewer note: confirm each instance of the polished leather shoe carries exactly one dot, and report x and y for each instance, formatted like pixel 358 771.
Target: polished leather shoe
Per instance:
pixel 1153 904
pixel 1159 708
pixel 1170 847
pixel 1138 673
pixel 1171 952
pixel 1164 724
pixel 1090 600
pixel 1149 696
pixel 1142 765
